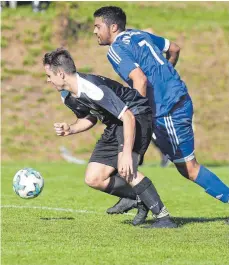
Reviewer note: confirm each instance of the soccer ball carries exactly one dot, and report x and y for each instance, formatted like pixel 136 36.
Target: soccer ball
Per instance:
pixel 28 183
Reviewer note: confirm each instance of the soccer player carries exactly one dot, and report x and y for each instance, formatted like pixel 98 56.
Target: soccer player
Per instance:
pixel 128 118
pixel 137 57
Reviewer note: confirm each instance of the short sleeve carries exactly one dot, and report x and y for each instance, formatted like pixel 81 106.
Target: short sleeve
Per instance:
pixel 102 96
pixel 122 60
pixel 160 42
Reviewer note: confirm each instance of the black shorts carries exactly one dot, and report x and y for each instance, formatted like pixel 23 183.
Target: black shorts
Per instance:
pixel 111 142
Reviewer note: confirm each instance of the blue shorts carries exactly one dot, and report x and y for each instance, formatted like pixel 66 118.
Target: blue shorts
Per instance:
pixel 173 133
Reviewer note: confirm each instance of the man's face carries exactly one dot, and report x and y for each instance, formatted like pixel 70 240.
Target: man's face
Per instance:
pixel 55 79
pixel 102 31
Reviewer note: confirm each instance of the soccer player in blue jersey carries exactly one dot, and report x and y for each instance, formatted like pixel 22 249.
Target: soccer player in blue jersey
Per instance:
pixel 137 57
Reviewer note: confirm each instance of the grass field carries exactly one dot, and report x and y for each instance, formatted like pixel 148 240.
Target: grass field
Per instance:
pixel 67 223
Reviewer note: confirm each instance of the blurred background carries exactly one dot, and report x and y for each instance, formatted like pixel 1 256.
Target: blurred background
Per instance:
pixel 30 106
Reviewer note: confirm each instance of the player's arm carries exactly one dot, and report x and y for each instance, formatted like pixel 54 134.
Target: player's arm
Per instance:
pixel 110 102
pixel 125 166
pixel 126 66
pixel 81 125
pixel 139 80
pixel 172 54
pixel 171 49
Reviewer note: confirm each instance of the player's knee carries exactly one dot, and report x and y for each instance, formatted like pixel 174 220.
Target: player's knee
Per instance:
pixel 93 179
pixel 189 169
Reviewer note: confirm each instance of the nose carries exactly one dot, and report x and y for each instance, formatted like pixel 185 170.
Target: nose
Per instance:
pixel 95 31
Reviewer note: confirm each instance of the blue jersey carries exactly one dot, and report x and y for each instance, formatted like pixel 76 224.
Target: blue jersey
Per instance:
pixel 136 48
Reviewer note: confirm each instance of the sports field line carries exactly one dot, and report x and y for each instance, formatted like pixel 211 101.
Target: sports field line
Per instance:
pixel 54 209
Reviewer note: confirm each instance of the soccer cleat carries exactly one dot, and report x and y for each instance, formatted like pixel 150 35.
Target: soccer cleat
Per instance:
pixel 164 222
pixel 122 206
pixel 141 215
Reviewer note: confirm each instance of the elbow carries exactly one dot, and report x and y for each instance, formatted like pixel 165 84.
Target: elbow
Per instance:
pixel 143 80
pixel 142 85
pixel 177 49
pixel 128 115
pixel 131 117
pixel 174 48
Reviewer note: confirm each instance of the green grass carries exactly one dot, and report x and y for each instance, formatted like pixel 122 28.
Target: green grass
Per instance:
pixel 16 71
pixel 4 42
pixel 50 236
pixel 86 69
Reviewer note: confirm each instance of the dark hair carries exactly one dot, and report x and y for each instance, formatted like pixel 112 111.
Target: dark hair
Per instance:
pixel 60 58
pixel 112 15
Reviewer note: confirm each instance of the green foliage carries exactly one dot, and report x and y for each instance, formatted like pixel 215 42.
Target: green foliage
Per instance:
pixel 13 118
pixel 41 99
pixel 46 35
pixel 38 75
pixel 17 36
pixel 48 90
pixel 29 60
pixel 25 11
pixel 48 47
pixel 6 76
pixel 86 69
pixel 7 26
pixel 4 42
pixel 28 40
pixel 16 71
pixel 30 32
pixel 3 63
pixel 18 98
pixel 29 88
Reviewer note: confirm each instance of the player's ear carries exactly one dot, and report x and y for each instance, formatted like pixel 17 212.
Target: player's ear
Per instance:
pixel 61 74
pixel 114 28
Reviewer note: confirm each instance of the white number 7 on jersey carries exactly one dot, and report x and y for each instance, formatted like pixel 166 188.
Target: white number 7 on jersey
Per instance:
pixel 144 42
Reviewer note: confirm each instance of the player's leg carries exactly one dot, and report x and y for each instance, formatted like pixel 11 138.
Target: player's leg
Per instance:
pixel 148 194
pixel 176 130
pixel 101 174
pixel 141 184
pixel 105 178
pixel 206 179
pixel 164 158
pixel 102 177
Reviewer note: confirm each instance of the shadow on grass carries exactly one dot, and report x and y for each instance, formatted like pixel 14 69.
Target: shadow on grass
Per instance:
pixel 56 218
pixel 180 221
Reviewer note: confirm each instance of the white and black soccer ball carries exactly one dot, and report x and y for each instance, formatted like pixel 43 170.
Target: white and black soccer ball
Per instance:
pixel 28 183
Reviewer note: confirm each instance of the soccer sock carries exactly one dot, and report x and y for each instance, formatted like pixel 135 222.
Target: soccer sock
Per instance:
pixel 212 185
pixel 120 188
pixel 148 194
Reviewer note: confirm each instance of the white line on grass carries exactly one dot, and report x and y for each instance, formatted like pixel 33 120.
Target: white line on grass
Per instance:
pixel 53 209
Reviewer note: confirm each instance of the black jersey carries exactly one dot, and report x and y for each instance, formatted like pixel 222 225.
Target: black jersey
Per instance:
pixel 104 98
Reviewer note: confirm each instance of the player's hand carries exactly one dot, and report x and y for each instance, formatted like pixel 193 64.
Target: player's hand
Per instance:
pixel 125 167
pixel 62 129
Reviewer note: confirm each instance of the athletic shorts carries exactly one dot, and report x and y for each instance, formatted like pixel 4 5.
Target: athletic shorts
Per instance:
pixel 173 133
pixel 111 142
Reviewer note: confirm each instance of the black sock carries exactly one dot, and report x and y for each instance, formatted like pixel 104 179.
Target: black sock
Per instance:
pixel 120 188
pixel 148 194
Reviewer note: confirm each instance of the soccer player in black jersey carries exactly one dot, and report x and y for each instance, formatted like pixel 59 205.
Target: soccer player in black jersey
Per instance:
pixel 113 164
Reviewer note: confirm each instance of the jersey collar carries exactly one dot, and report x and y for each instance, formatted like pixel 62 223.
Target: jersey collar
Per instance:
pixel 120 34
pixel 79 85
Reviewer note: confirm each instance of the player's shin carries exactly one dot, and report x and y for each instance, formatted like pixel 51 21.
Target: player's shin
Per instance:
pixel 120 188
pixel 148 194
pixel 212 185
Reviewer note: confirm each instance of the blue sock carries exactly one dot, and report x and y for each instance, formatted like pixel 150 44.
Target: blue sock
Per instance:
pixel 212 185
